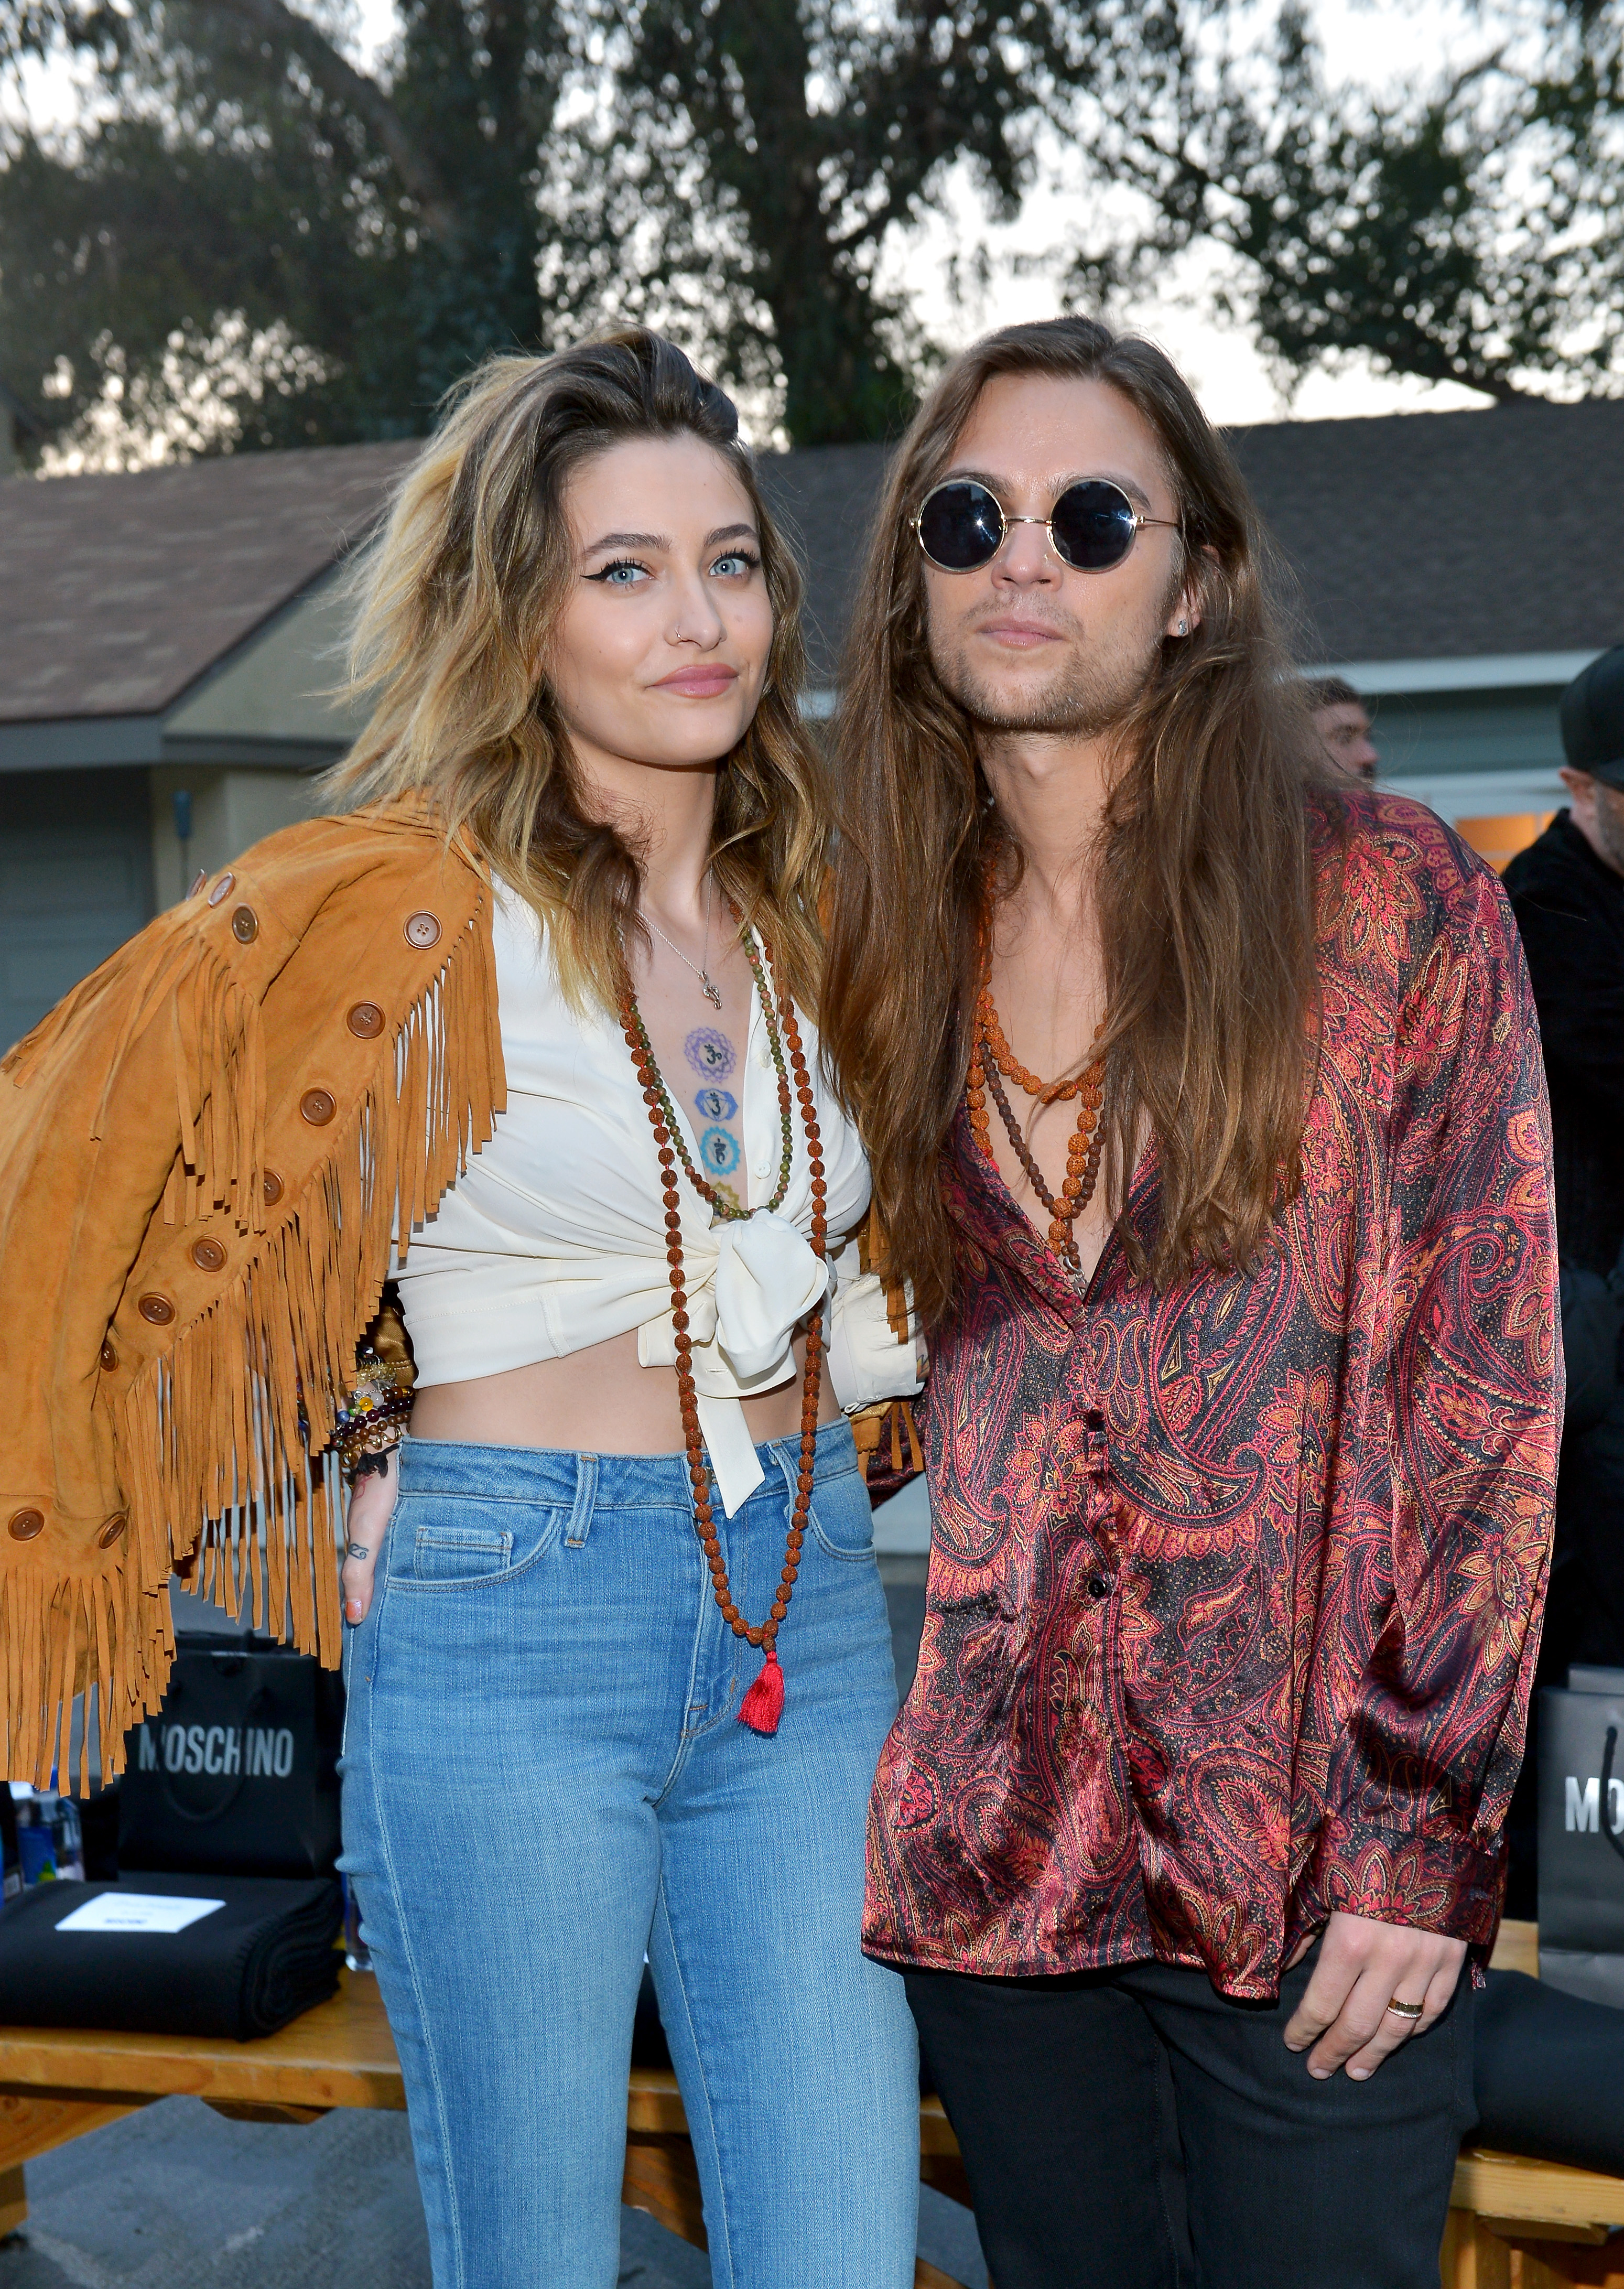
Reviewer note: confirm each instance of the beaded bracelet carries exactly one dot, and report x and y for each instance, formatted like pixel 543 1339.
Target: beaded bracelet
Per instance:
pixel 372 1421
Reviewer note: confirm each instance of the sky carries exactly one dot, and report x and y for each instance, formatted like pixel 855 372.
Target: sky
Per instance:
pixel 1410 37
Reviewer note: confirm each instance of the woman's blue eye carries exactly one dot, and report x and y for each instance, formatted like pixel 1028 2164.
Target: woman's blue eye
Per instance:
pixel 736 562
pixel 622 574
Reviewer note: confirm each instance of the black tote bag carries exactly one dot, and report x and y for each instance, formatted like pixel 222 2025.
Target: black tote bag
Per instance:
pixel 237 1774
pixel 1581 1836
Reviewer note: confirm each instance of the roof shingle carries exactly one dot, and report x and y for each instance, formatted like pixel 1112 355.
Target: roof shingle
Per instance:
pixel 117 593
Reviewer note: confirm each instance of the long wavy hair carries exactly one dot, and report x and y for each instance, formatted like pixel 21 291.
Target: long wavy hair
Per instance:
pixel 457 601
pixel 1204 882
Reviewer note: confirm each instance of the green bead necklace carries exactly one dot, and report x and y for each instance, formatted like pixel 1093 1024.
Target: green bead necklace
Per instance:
pixel 721 1208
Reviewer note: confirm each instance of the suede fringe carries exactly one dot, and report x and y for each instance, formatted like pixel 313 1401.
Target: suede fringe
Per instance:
pixel 219 1442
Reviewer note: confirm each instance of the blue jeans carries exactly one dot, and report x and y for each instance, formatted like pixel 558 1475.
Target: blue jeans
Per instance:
pixel 544 1777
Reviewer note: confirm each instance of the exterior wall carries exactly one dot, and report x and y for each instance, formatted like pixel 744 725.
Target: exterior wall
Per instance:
pixel 1472 754
pixel 282 684
pixel 231 810
pixel 75 881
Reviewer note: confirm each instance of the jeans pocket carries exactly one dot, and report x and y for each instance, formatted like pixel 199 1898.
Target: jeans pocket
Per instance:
pixel 842 1518
pixel 452 1542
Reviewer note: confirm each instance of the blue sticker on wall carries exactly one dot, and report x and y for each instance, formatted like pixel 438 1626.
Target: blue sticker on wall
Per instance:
pixel 710 1053
pixel 719 1152
pixel 716 1105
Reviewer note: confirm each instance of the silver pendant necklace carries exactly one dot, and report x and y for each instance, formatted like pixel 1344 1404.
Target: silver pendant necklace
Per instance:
pixel 702 969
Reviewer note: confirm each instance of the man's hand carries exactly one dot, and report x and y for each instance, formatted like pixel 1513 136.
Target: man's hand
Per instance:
pixel 1363 1966
pixel 370 1505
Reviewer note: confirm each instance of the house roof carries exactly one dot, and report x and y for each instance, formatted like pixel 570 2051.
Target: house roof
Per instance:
pixel 1424 536
pixel 1441 535
pixel 117 593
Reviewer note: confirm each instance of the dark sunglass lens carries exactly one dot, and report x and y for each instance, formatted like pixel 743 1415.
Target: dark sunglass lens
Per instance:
pixel 1093 526
pixel 960 527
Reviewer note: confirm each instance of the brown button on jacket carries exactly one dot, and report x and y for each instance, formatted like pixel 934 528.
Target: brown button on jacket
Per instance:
pixel 206 1153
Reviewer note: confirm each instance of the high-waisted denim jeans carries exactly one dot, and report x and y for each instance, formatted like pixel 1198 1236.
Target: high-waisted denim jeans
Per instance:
pixel 544 1776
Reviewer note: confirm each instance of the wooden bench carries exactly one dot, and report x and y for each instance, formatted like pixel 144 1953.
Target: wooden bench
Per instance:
pixel 55 2083
pixel 1518 2224
pixel 1514 2224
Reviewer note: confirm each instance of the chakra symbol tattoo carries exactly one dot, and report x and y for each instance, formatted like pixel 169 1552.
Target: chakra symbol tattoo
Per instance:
pixel 710 1053
pixel 719 1152
pixel 716 1105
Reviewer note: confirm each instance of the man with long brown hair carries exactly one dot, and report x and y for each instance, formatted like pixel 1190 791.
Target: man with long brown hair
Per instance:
pixel 1205 1104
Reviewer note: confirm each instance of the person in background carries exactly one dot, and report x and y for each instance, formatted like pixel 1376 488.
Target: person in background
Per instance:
pixel 1342 725
pixel 1567 893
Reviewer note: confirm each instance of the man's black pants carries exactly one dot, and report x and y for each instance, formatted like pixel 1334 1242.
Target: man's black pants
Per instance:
pixel 1132 2129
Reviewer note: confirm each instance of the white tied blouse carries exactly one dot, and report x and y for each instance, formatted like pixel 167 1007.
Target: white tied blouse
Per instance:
pixel 555 1237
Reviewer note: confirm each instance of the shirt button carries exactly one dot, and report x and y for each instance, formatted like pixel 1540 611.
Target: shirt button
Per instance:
pixel 318 1107
pixel 422 931
pixel 208 1255
pixel 365 1021
pixel 1098 1587
pixel 111 1532
pixel 157 1311
pixel 270 1183
pixel 245 926
pixel 26 1524
pixel 109 1357
pixel 222 889
pixel 764 1056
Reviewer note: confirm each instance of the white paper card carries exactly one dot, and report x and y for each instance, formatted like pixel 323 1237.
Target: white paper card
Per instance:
pixel 138 1912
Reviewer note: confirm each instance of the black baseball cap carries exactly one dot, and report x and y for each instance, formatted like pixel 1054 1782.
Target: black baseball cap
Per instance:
pixel 1592 710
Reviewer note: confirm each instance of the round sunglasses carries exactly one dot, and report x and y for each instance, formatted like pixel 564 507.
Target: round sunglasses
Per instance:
pixel 962 525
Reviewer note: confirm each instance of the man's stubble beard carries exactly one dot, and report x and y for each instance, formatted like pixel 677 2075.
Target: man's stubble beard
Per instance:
pixel 1092 694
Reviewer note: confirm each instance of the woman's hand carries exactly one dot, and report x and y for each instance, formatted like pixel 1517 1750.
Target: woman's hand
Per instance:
pixel 370 1505
pixel 1365 1967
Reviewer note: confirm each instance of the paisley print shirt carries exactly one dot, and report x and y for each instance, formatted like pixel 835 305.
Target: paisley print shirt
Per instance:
pixel 1234 1592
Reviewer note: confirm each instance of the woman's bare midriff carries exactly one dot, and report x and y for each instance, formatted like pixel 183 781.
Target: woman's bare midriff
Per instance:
pixel 597 1402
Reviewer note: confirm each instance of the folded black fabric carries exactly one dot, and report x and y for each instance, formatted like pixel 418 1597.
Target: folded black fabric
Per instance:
pixel 1549 2075
pixel 244 1970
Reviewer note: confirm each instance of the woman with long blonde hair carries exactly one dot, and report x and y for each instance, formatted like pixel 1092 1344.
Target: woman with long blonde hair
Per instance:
pixel 522 1050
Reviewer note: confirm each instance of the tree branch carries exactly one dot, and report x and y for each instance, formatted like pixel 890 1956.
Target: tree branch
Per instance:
pixel 338 78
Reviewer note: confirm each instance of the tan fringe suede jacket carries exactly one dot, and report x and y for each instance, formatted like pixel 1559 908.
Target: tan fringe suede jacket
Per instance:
pixel 206 1153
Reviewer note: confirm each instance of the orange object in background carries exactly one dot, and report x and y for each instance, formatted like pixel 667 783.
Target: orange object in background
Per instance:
pixel 1499 840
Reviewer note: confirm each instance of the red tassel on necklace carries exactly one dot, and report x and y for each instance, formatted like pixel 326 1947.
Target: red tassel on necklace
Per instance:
pixel 763 1705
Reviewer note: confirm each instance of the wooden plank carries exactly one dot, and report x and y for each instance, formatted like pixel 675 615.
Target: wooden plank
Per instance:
pixel 935 2131
pixel 1473 2257
pixel 13 2200
pixel 1509 2186
pixel 653 2103
pixel 32 2123
pixel 662 2177
pixel 341 2053
pixel 1517 1949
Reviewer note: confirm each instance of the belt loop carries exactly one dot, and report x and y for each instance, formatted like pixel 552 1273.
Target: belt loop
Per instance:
pixel 585 1497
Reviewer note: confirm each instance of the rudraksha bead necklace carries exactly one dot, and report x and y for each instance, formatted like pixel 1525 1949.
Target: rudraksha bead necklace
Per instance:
pixel 990 1055
pixel 763 1703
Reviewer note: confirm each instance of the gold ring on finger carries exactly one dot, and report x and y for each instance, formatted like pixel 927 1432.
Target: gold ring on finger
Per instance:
pixel 1406 2010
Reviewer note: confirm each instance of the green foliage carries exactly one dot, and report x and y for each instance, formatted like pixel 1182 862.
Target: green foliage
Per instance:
pixel 1469 233
pixel 777 145
pixel 520 170
pixel 242 165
